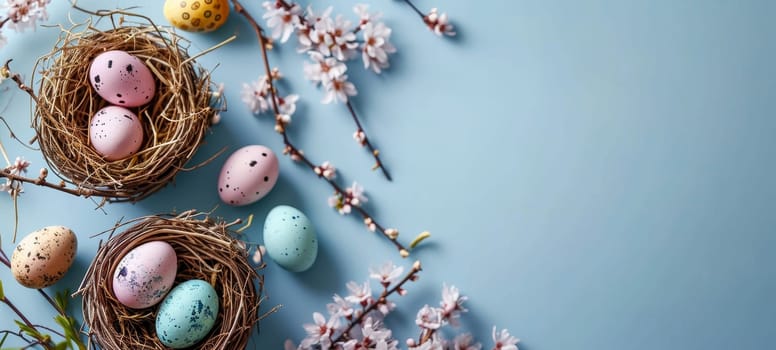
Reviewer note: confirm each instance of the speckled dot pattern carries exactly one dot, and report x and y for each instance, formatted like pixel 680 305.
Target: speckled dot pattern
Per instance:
pixel 290 238
pixel 122 79
pixel 187 314
pixel 145 275
pixel 43 257
pixel 248 175
pixel 115 133
pixel 197 15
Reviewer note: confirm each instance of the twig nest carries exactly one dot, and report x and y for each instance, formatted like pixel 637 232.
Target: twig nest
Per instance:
pixel 206 251
pixel 174 121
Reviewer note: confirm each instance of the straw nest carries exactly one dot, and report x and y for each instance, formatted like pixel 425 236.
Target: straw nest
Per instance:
pixel 206 250
pixel 174 122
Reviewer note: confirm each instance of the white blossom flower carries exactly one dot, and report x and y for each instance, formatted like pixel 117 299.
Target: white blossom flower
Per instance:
pixel 337 201
pixel 376 47
pixel 23 14
pixel 362 10
pixel 305 29
pixel 343 39
pixel 360 137
pixel 281 20
pixel 340 307
pixel 320 332
pixel 327 170
pixel 465 341
pixel 429 318
pixel 287 107
pixel 20 166
pixel 323 69
pixel 356 194
pixel 338 89
pixel 387 273
pixel 452 304
pixel 254 95
pixel 438 23
pixel 503 341
pixel 359 293
pixel 374 333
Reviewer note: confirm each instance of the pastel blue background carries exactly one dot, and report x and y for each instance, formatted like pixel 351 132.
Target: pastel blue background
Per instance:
pixel 596 174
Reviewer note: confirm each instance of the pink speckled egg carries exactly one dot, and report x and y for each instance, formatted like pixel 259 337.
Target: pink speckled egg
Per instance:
pixel 248 175
pixel 115 132
pixel 145 275
pixel 122 79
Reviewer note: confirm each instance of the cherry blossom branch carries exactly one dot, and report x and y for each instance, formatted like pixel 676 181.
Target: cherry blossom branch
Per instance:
pixel 360 135
pixel 410 276
pixel 295 153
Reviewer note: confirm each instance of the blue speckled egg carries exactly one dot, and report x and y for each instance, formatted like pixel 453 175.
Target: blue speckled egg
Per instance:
pixel 187 314
pixel 290 238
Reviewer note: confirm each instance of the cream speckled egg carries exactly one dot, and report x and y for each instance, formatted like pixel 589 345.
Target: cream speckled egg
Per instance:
pixel 43 257
pixel 115 132
pixel 122 79
pixel 196 15
pixel 248 175
pixel 145 275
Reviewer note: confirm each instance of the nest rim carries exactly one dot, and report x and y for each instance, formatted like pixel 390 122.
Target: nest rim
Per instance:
pixel 206 250
pixel 175 122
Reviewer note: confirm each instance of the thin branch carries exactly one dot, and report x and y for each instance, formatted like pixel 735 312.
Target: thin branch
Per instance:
pixel 365 142
pixel 292 150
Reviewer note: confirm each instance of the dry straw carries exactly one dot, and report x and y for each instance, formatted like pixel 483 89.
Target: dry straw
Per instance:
pixel 206 250
pixel 175 122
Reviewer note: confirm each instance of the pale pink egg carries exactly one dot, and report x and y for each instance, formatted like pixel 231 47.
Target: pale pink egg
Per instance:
pixel 145 275
pixel 122 79
pixel 248 175
pixel 115 132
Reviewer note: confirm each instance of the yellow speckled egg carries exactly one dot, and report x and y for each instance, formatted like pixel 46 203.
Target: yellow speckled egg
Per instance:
pixel 196 15
pixel 43 256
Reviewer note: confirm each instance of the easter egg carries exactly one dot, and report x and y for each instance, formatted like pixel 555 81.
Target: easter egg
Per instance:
pixel 187 314
pixel 248 175
pixel 145 275
pixel 196 15
pixel 115 132
pixel 43 257
pixel 290 238
pixel 122 79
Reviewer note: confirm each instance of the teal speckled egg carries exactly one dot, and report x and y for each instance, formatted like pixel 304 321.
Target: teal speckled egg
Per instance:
pixel 290 238
pixel 187 314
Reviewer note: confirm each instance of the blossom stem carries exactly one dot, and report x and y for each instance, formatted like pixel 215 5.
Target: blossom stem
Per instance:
pixel 375 152
pixel 411 276
pixel 416 9
pixel 292 150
